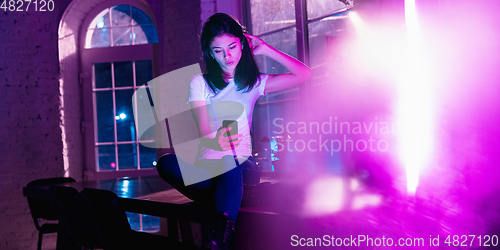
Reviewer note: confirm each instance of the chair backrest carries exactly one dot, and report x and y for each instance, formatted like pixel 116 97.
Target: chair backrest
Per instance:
pixel 73 215
pixel 110 220
pixel 41 208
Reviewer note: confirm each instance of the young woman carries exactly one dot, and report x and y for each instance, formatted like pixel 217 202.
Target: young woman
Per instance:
pixel 228 89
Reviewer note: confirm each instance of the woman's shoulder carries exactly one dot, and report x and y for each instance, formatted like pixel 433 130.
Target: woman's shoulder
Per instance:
pixel 263 77
pixel 260 84
pixel 198 80
pixel 198 89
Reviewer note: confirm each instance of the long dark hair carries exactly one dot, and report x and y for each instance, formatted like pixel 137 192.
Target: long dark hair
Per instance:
pixel 246 73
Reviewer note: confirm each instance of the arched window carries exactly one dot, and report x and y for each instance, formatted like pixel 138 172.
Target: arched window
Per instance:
pixel 117 59
pixel 120 25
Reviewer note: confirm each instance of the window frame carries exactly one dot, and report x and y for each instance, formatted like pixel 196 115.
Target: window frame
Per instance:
pixel 302 35
pixel 303 54
pixel 89 56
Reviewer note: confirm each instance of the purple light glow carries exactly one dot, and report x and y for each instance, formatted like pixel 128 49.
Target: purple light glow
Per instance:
pixel 436 75
pixel 415 103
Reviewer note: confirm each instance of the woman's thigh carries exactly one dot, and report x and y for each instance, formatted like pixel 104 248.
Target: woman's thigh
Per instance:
pixel 174 170
pixel 169 168
pixel 250 171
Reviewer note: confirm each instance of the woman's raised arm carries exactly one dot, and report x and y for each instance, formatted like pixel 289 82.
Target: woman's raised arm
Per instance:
pixel 299 72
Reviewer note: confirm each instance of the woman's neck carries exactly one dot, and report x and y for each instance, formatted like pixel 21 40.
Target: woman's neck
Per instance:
pixel 228 75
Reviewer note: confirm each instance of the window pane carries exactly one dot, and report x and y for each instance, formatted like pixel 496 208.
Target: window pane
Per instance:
pixel 318 32
pixel 148 157
pixel 103 21
pixel 120 15
pixel 287 111
pixel 144 113
pixel 150 223
pixel 149 34
pixel 102 74
pixel 125 28
pixel 284 41
pixel 140 17
pixel 264 126
pixel 124 74
pixel 105 116
pixel 317 8
pixel 134 221
pixel 121 36
pixel 106 157
pixel 260 131
pixel 125 130
pixel 100 38
pixel 269 15
pixel 138 35
pixel 285 94
pixel 143 72
pixel 127 156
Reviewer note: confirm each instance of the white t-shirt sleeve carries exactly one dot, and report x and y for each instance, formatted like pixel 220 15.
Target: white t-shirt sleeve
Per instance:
pixel 262 85
pixel 197 89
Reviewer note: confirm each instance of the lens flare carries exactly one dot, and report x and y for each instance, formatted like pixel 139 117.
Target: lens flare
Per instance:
pixel 415 103
pixel 400 56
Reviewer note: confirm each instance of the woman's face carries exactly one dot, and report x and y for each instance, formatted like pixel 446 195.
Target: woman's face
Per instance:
pixel 226 50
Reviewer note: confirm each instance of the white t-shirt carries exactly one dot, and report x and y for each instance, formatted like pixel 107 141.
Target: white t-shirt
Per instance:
pixel 227 104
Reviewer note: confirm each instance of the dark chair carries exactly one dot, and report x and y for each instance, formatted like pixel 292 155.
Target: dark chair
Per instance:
pixel 45 209
pixel 113 229
pixel 73 218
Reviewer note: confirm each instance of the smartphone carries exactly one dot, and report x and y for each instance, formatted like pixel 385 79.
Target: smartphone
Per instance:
pixel 230 123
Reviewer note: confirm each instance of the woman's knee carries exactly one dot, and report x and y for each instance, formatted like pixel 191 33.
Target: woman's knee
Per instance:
pixel 166 164
pixel 229 165
pixel 229 162
pixel 228 158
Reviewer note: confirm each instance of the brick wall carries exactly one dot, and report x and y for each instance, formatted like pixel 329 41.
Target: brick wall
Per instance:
pixel 31 144
pixel 181 25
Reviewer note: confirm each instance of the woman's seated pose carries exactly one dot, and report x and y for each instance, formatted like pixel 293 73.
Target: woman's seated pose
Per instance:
pixel 228 89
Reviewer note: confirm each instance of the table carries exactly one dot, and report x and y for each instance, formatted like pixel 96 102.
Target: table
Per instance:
pixel 145 195
pixel 153 196
pixel 261 228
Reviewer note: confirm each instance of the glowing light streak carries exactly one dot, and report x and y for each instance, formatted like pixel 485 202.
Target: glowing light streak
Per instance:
pixel 125 188
pixel 415 103
pixel 401 57
pixel 66 48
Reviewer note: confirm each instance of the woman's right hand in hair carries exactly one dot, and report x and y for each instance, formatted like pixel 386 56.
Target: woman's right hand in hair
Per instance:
pixel 257 45
pixel 225 140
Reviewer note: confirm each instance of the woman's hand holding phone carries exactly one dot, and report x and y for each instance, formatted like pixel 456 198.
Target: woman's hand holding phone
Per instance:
pixel 226 140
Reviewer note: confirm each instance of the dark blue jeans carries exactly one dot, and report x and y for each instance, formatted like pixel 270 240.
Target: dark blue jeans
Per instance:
pixel 224 192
